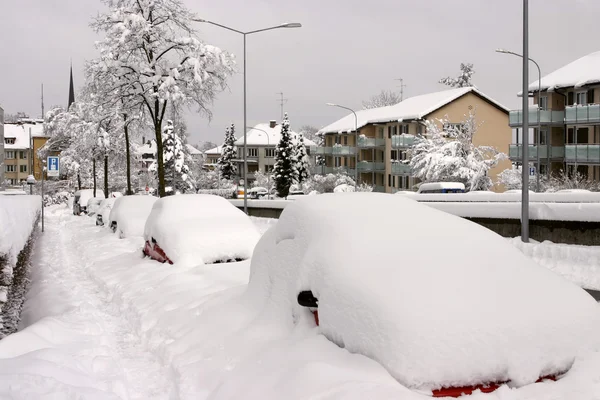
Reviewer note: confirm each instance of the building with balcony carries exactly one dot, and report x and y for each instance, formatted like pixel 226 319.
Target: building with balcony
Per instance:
pixel 17 154
pixel 375 152
pixel 565 123
pixel 2 168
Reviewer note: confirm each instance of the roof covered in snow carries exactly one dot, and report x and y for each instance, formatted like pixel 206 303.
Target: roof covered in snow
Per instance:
pixel 581 72
pixel 264 135
pixel 147 148
pixel 416 107
pixel 20 132
pixel 193 151
pixel 215 151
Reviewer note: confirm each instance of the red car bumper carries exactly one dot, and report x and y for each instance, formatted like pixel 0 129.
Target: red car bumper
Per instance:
pixel 154 251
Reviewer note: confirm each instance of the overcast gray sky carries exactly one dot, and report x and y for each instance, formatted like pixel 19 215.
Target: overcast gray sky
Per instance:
pixel 346 51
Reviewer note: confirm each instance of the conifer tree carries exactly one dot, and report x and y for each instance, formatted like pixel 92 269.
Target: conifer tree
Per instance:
pixel 225 163
pixel 302 165
pixel 285 169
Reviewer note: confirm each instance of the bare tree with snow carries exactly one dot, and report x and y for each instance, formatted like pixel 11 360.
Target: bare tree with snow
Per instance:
pixel 152 50
pixel 385 98
pixel 463 79
pixel 447 154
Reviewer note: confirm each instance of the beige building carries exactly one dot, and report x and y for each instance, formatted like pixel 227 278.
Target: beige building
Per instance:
pixel 19 159
pixel 2 168
pixel 565 129
pixel 385 135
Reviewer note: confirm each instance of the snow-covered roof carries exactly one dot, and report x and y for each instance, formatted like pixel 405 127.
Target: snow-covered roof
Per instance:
pixel 18 132
pixel 147 148
pixel 193 151
pixel 214 152
pixel 581 72
pixel 264 135
pixel 416 107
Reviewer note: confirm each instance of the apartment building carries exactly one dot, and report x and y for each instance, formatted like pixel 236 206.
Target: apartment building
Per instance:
pixel 373 151
pixel 566 125
pixel 2 167
pixel 261 142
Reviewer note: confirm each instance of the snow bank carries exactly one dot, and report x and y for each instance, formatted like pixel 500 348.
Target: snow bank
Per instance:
pixel 195 228
pixel 17 215
pixel 130 213
pixel 450 317
pixel 579 264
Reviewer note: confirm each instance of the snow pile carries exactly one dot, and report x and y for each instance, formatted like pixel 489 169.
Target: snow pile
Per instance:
pixel 579 264
pixel 343 188
pixel 195 228
pixel 130 213
pixel 17 215
pixel 426 317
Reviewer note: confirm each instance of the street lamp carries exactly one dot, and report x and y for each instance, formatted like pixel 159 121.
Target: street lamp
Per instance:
pixel 356 140
pixel 268 144
pixel 244 34
pixel 539 110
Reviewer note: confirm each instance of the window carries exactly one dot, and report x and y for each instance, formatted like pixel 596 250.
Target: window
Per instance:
pixel 270 152
pixel 389 180
pixel 543 169
pixel 404 129
pixel 380 132
pixel 10 168
pixel 23 155
pixel 590 96
pixel 581 98
pixel 9 140
pixel 269 168
pixel 345 140
pixel 570 98
pixel 393 181
pixel 252 152
pixel 338 162
pixel 10 155
pixel 543 137
pixel 338 139
pixel 22 168
pixel 570 135
pixel 544 102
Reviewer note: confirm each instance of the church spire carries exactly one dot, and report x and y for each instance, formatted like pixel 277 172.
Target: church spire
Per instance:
pixel 71 89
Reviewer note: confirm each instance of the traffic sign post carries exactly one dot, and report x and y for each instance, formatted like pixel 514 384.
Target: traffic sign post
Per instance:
pixel 531 171
pixel 53 168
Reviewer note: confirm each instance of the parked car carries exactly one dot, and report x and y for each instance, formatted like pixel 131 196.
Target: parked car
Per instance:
pixel 92 205
pixel 193 229
pixel 438 323
pixel 81 199
pixel 129 213
pixel 441 187
pixel 257 192
pixel 103 213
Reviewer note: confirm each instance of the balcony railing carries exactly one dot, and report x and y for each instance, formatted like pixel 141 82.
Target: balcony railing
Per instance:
pixel 545 117
pixel 364 141
pixel 323 170
pixel 583 114
pixel 379 189
pixel 400 169
pixel 400 141
pixel 582 153
pixel 369 166
pixel 335 150
pixel 515 152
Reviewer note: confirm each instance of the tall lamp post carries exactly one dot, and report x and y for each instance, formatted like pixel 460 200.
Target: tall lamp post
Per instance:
pixel 268 144
pixel 539 111
pixel 356 140
pixel 244 34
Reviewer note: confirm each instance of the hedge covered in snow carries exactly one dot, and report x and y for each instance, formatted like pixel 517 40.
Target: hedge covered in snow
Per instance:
pixel 19 216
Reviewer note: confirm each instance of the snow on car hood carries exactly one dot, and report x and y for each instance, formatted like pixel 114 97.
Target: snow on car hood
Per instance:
pixel 439 301
pixel 194 229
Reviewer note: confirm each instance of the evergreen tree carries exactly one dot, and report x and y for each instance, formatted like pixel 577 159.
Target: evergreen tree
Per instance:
pixel 176 168
pixel 225 163
pixel 463 80
pixel 285 170
pixel 320 160
pixel 302 166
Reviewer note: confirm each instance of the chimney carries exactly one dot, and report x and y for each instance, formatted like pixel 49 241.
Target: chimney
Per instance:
pixel 272 123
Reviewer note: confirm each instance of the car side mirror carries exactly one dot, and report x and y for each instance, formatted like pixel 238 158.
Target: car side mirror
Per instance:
pixel 307 299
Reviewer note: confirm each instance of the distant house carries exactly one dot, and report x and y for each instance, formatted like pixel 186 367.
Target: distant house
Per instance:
pixel 261 142
pixel 2 149
pixel 196 154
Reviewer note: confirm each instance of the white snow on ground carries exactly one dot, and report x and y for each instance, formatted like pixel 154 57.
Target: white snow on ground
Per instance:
pixel 17 215
pixel 103 323
pixel 579 264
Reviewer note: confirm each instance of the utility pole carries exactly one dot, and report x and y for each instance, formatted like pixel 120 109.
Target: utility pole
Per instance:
pixel 281 101
pixel 402 86
pixel 42 101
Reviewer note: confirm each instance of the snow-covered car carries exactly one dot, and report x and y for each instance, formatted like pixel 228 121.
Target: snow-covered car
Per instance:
pixel 257 192
pixel 103 213
pixel 195 229
pixel 439 323
pixel 92 205
pixel 295 194
pixel 129 213
pixel 81 199
pixel 441 187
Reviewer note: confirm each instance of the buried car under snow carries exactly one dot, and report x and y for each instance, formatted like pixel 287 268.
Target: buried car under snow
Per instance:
pixel 129 213
pixel 194 229
pixel 445 305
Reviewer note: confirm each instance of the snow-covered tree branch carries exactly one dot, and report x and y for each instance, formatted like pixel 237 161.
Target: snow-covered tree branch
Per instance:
pixel 463 79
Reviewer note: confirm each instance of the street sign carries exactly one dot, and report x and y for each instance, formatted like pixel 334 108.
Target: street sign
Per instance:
pixel 531 171
pixel 53 166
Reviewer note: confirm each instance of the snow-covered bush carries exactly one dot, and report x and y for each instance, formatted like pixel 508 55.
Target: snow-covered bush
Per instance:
pixel 229 193
pixel 327 183
pixel 512 180
pixel 447 154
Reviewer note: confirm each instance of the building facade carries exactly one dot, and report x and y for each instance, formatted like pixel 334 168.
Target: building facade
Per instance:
pixel 386 134
pixel 2 168
pixel 565 122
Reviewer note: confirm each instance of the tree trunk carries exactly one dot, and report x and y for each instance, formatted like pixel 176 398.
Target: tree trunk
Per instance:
pixel 78 181
pixel 128 156
pixel 159 158
pixel 106 177
pixel 94 173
